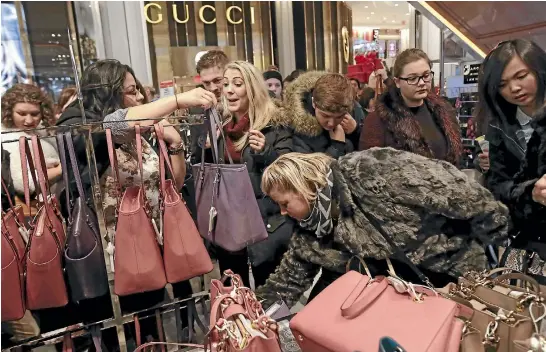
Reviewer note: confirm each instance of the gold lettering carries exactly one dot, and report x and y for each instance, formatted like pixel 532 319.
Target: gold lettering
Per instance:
pixel 228 14
pixel 202 10
pixel 175 14
pixel 159 16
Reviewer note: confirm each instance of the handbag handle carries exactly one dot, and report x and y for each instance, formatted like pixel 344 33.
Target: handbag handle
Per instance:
pixel 215 122
pixel 361 262
pixel 26 162
pixel 396 250
pixel 114 164
pixel 64 166
pixel 352 308
pixel 513 275
pixel 10 201
pixel 39 163
pixel 163 158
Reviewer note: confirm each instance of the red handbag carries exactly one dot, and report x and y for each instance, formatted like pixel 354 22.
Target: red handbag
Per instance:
pixel 45 282
pixel 137 258
pixel 184 253
pixel 13 250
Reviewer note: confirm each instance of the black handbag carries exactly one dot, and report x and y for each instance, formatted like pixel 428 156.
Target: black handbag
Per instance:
pixel 84 258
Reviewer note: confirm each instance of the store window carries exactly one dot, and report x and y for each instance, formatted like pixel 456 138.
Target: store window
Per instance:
pixel 35 46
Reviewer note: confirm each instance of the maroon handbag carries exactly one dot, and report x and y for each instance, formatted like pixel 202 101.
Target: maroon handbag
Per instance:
pixel 45 283
pixel 13 251
pixel 227 210
pixel 137 258
pixel 184 253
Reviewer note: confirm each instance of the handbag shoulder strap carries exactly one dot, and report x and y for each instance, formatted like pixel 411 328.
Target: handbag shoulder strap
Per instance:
pixel 163 157
pixel 26 162
pixel 114 165
pixel 64 165
pixel 397 250
pixel 74 163
pixel 139 156
pixel 216 122
pixel 39 163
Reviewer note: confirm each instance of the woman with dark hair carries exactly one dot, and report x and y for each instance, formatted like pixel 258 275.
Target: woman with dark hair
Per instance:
pixel 410 117
pixel 512 91
pixel 67 97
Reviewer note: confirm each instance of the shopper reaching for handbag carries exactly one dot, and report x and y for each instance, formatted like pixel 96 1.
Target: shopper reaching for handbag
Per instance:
pixel 432 212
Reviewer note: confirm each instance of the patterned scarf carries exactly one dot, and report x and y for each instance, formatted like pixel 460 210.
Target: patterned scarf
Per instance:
pixel 234 131
pixel 320 219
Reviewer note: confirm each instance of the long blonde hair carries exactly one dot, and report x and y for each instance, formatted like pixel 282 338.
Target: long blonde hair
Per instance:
pixel 261 108
pixel 299 173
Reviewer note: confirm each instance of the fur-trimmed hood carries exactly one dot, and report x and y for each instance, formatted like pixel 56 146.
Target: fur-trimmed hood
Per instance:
pixel 295 112
pixel 398 120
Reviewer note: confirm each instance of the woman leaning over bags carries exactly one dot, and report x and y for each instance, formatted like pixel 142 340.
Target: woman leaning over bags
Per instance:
pixel 512 93
pixel 429 209
pixel 255 136
pixel 410 117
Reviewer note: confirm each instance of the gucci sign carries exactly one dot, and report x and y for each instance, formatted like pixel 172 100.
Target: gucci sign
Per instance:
pixel 346 43
pixel 208 18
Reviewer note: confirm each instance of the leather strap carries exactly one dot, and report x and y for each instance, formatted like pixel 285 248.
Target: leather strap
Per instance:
pixel 74 163
pixel 361 263
pixel 370 291
pixel 12 207
pixel 114 165
pixel 159 325
pixel 138 338
pixel 139 156
pixel 96 334
pixel 26 162
pixel 520 277
pixel 68 344
pixel 396 250
pixel 64 165
pixel 39 163
pixel 163 157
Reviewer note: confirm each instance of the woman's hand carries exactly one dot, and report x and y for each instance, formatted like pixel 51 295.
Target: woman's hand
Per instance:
pixel 196 97
pixel 483 160
pixel 348 124
pixel 337 134
pixel 256 141
pixel 170 135
pixel 539 191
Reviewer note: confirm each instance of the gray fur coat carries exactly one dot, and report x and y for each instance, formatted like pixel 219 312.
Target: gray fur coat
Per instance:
pixel 439 217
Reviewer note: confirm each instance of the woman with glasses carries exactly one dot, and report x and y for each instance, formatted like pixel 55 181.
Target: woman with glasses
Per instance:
pixel 410 117
pixel 512 88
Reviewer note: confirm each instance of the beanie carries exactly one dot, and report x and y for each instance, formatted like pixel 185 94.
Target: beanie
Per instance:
pixel 273 74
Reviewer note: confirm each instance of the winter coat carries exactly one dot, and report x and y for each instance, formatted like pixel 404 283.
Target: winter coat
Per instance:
pixel 278 141
pixel 392 124
pixel 528 216
pixel 439 217
pixel 49 146
pixel 298 111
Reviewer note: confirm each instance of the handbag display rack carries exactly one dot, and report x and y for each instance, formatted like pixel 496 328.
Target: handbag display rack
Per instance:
pixel 119 319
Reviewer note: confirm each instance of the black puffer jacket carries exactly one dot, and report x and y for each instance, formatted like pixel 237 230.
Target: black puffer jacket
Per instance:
pixel 515 168
pixel 278 142
pixel 309 136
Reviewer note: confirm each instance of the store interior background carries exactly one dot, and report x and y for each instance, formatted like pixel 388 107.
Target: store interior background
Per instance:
pixel 306 35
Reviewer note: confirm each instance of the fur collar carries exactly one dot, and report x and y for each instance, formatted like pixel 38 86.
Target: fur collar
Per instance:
pixel 399 121
pixel 295 113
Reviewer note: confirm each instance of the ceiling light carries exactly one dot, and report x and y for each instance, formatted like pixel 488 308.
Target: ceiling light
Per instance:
pixel 395 4
pixel 407 14
pixel 384 18
pixel 367 18
pixel 393 21
pixel 366 6
pixel 52 35
pixel 373 13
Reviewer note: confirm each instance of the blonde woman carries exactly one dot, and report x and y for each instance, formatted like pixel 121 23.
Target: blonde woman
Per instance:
pixel 256 136
pixel 433 213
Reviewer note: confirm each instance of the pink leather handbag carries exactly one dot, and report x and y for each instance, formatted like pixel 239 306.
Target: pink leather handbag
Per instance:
pixel 355 312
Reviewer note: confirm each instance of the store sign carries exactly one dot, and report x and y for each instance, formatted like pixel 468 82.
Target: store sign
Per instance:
pixel 471 73
pixel 166 89
pixel 207 14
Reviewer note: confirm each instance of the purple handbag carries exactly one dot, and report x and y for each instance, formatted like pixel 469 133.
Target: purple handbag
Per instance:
pixel 227 210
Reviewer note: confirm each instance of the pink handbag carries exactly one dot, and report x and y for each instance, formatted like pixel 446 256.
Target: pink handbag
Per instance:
pixel 355 312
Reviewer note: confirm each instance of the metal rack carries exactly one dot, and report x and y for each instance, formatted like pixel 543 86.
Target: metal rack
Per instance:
pixel 119 319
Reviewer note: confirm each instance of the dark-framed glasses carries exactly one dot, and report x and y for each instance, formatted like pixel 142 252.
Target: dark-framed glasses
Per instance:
pixel 414 80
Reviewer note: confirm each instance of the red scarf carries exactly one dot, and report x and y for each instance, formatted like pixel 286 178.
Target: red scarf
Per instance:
pixel 234 131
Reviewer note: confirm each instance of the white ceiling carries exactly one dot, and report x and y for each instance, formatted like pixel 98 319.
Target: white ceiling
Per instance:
pixel 386 14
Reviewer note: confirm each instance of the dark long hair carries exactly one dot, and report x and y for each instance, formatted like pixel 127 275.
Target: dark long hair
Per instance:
pixel 493 107
pixel 102 86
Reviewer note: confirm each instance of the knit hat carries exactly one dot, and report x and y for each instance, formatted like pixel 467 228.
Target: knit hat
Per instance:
pixel 273 74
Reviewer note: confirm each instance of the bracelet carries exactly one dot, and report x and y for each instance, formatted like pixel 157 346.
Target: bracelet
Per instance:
pixel 176 150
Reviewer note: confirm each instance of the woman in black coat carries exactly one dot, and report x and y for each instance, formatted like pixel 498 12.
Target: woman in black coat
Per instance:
pixel 255 135
pixel 512 88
